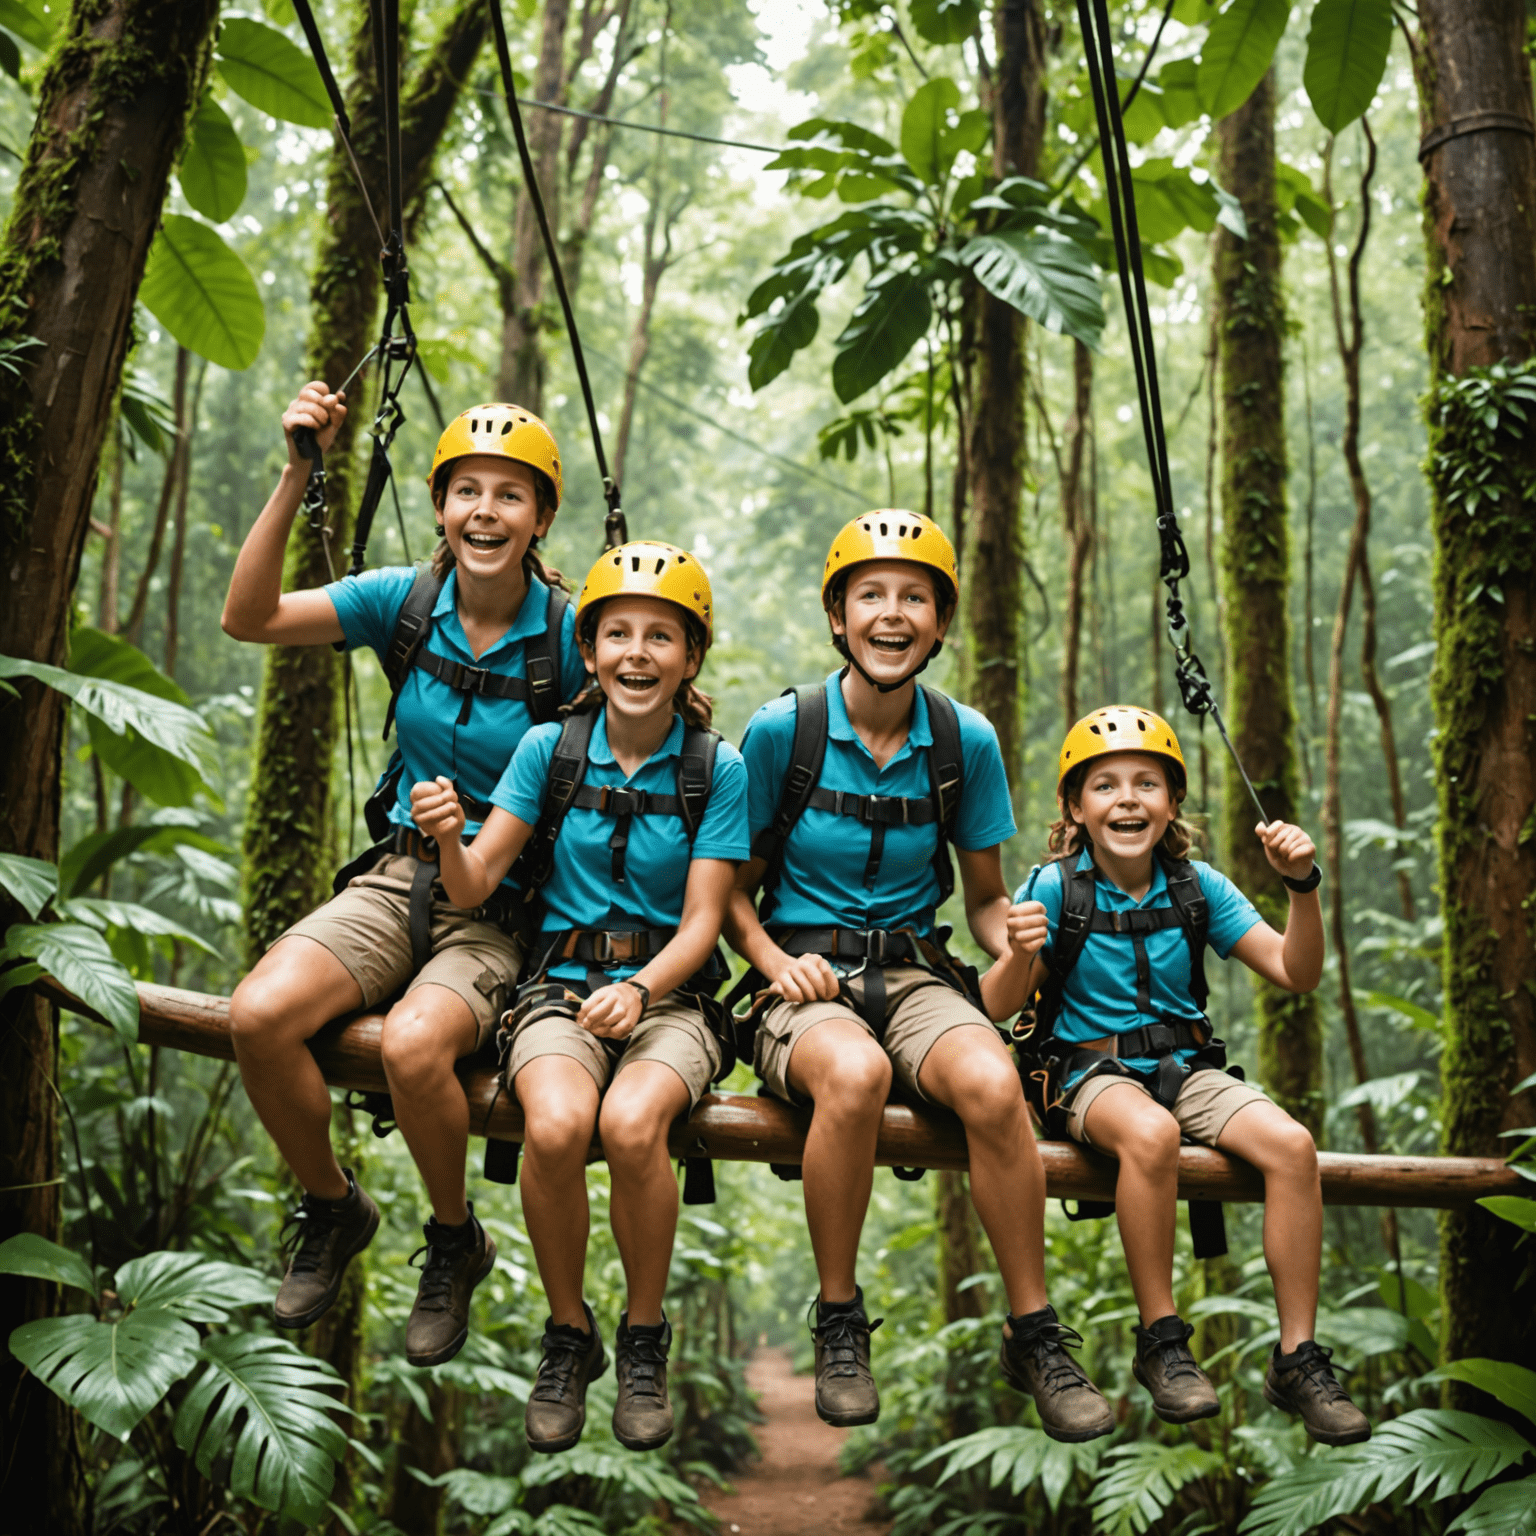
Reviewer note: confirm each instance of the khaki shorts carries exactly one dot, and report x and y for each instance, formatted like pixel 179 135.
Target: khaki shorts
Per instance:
pixel 673 1031
pixel 368 928
pixel 1205 1103
pixel 919 1008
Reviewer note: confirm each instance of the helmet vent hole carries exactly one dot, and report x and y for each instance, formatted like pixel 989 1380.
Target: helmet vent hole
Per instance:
pixel 1110 724
pixel 506 427
pixel 474 425
pixel 884 531
pixel 661 565
pixel 634 562
pixel 1096 731
pixel 1141 725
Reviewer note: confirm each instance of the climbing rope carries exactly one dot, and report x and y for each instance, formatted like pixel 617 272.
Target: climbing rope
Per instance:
pixel 615 529
pixel 1194 686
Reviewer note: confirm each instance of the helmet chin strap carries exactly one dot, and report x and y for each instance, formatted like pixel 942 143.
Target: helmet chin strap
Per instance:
pixel 840 644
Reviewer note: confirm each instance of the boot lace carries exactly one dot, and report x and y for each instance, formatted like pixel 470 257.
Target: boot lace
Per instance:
pixel 435 1292
pixel 563 1348
pixel 643 1360
pixel 1047 1345
pixel 841 1342
pixel 312 1222
pixel 1174 1353
pixel 1313 1362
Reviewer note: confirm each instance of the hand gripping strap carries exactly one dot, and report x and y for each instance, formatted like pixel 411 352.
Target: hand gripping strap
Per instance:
pixel 806 755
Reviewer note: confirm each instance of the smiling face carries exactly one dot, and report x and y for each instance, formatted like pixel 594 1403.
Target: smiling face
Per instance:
pixel 1125 804
pixel 640 654
pixel 490 515
pixel 889 614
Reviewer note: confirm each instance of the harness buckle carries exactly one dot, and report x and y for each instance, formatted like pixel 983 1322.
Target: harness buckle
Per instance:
pixel 622 801
pixel 875 944
pixel 602 947
pixel 1161 1040
pixel 469 679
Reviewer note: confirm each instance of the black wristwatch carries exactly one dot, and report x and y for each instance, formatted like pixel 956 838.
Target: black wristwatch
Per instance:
pixel 642 989
pixel 1307 882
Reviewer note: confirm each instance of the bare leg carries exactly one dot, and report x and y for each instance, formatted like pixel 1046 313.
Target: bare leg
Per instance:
pixel 848 1076
pixel 968 1070
pixel 1284 1152
pixel 642 1101
pixel 424 1034
pixel 295 988
pixel 559 1102
pixel 1127 1124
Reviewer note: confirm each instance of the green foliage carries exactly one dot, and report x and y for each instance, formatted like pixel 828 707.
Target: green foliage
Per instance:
pixel 1347 45
pixel 1481 415
pixel 31 21
pixel 1432 1453
pixel 78 958
pixel 213 169
pixel 1237 52
pixel 1513 1385
pixel 147 413
pixel 1506 1509
pixel 203 293
pixel 891 319
pixel 28 1254
pixel 272 73
pixel 1015 1457
pixel 33 882
pixel 1140 1481
pixel 1511 1208
pixel 1043 275
pixel 945 21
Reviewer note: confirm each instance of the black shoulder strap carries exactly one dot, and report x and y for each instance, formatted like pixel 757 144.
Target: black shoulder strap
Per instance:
pixel 806 756
pixel 567 768
pixel 696 776
pixel 946 776
pixel 541 660
pixel 412 626
pixel 1078 900
pixel 1194 918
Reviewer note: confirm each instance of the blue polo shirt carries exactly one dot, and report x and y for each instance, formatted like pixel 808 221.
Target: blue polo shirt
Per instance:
pixel 1100 996
pixel 581 892
pixel 825 855
pixel 433 731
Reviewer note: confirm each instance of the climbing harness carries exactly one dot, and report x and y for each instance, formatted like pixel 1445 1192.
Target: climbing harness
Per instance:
pixel 615 529
pixel 1194 686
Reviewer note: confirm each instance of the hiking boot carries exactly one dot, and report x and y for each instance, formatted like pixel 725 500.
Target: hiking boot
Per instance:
pixel 1180 1390
pixel 1035 1360
pixel 845 1386
pixel 326 1236
pixel 642 1417
pixel 458 1259
pixel 1304 1383
pixel 557 1408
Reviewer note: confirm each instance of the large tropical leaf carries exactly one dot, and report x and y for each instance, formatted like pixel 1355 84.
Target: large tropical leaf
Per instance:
pixel 30 21
pixel 1048 277
pixel 32 882
pixel 272 73
pixel 158 775
pixel 212 173
pixel 97 852
pixel 202 292
pixel 1347 47
pixel 945 21
pixel 111 1373
pixel 924 125
pixel 1180 100
pixel 149 415
pixel 891 319
pixel 1138 1482
pixel 1442 1451
pixel 1238 50
pixel 1017 1456
pixel 77 958
pixel 1363 1330
pixel 28 1254
pixel 1513 1385
pixel 1506 1509
pixel 130 917
pixel 265 1408
pixel 198 1289
pixel 1513 1209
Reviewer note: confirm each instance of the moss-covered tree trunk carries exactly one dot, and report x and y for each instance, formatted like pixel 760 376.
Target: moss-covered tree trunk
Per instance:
pixel 1480 308
pixel 290 829
pixel 1255 559
pixel 112 112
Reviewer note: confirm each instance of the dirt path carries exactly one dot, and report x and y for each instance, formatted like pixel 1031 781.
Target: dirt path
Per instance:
pixel 796 1489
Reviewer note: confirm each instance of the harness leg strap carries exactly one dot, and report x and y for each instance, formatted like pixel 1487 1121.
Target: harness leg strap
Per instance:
pixel 874 1000
pixel 1207 1228
pixel 421 913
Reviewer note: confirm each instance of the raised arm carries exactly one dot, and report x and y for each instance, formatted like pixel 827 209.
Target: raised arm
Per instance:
pixel 257 608
pixel 1292 960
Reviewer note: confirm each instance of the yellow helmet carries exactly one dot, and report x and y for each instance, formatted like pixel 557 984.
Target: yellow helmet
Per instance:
pixel 890 534
pixel 649 568
pixel 1119 728
pixel 509 432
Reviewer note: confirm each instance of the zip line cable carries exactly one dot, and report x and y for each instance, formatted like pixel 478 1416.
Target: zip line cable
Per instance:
pixel 615 530
pixel 625 122
pixel 1194 686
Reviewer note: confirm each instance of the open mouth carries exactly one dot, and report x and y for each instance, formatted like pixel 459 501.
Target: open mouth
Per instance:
pixel 486 543
pixel 1128 826
pixel 637 682
pixel 892 644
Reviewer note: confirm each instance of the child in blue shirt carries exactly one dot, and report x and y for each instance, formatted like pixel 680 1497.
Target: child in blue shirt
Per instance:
pixel 613 1034
pixel 856 987
pixel 1127 1034
pixel 497 643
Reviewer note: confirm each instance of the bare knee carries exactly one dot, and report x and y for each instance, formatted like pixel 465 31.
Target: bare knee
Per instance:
pixel 415 1051
pixel 989 1098
pixel 631 1129
pixel 268 1017
pixel 858 1087
pixel 1289 1152
pixel 557 1130
pixel 1151 1144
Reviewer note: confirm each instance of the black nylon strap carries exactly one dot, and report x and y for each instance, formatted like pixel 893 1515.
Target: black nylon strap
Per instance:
pixel 421 913
pixel 472 680
pixel 620 800
pixel 806 755
pixel 875 810
pixel 877 946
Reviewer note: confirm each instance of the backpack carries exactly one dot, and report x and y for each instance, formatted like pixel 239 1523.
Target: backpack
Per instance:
pixel 946 778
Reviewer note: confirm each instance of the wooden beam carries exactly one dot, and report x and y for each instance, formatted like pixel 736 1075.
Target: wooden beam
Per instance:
pixel 734 1127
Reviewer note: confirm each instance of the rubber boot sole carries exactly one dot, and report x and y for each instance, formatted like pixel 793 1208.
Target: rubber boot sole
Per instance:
pixel 650 1443
pixel 448 1351
pixel 1175 1415
pixel 1066 1436
pixel 324 1305
pixel 846 1420
pixel 1322 1436
pixel 565 1442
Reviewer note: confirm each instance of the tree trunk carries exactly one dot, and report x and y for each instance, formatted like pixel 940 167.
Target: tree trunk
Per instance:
pixel 1256 574
pixel 995 598
pixel 1078 527
pixel 431 1445
pixel 290 830
pixel 1480 294
pixel 112 110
